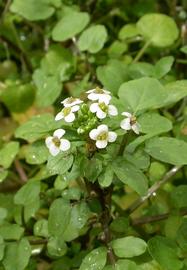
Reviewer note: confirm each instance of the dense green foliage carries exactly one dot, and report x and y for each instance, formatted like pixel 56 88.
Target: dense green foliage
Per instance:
pixel 93 207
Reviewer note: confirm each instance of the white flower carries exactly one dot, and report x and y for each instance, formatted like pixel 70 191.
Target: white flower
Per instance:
pixel 67 114
pixel 102 136
pixel 56 144
pixel 99 94
pixel 130 123
pixel 102 109
pixel 71 101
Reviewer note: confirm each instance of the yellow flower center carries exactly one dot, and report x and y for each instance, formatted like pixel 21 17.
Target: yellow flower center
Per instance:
pixel 56 141
pixel 66 111
pixel 102 136
pixel 103 107
pixel 133 120
pixel 98 90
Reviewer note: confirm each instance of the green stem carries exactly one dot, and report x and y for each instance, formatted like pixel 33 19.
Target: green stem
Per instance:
pixel 141 52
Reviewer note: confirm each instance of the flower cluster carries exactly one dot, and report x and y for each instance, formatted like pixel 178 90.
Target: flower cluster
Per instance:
pixel 86 119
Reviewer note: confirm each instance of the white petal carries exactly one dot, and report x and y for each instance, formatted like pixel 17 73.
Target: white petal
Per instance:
pixel 127 114
pixel 136 128
pixel 59 133
pixel 65 101
pixel 90 91
pixel 112 136
pixel 125 124
pixel 54 150
pixel 49 141
pixel 94 107
pixel 64 145
pixel 93 96
pixel 104 98
pixel 93 134
pixel 69 118
pixel 75 108
pixel 100 114
pixel 102 128
pixel 112 110
pixel 59 116
pixel 106 91
pixel 101 144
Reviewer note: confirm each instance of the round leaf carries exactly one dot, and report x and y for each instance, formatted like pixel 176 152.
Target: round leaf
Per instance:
pixel 95 260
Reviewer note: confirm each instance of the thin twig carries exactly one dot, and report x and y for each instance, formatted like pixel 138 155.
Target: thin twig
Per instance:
pixel 20 171
pixel 153 189
pixel 149 219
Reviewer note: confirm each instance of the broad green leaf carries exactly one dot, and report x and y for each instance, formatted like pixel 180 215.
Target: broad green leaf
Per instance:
pixel 184 49
pixel 181 236
pixel 95 260
pixel 59 217
pixel 112 75
pixel 106 177
pixel 17 255
pixel 120 224
pixel 48 88
pixel 91 168
pixel 59 62
pixel 56 247
pixel 179 196
pixel 8 153
pixel 60 164
pixel 125 265
pixel 70 25
pixel 27 193
pixel 3 175
pixel 117 48
pixel 156 171
pixel 128 247
pixel 130 175
pixel 36 153
pixel 139 158
pixel 3 214
pixel 2 247
pixel 175 91
pixel 18 97
pixel 158 29
pixel 163 66
pixel 11 231
pixel 128 31
pixel 93 39
pixel 140 69
pixel 142 94
pixel 167 150
pixel 74 193
pixel 33 10
pixel 31 208
pixel 37 127
pixel 152 265
pixel 41 228
pixel 164 251
pixel 152 122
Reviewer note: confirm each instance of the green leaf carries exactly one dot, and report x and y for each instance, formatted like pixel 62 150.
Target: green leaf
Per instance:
pixel 164 251
pixel 158 29
pixel 41 228
pixel 116 49
pixel 36 153
pixel 163 66
pixel 95 260
pixel 48 88
pixel 112 75
pixel 91 168
pixel 130 175
pixel 2 247
pixel 33 10
pixel 106 177
pixel 11 231
pixel 167 150
pixel 60 164
pixel 17 255
pixel 142 94
pixel 18 98
pixel 184 49
pixel 120 225
pixel 59 217
pixel 70 25
pixel 140 69
pixel 128 247
pixel 125 265
pixel 93 39
pixel 8 153
pixel 139 158
pixel 181 236
pixel 179 196
pixel 37 127
pixel 56 247
pixel 3 175
pixel 128 31
pixel 27 193
pixel 58 62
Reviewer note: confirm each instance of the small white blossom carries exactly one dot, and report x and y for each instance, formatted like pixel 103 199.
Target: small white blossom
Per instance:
pixel 67 113
pixel 102 136
pixel 55 143
pixel 71 101
pixel 130 123
pixel 102 109
pixel 99 94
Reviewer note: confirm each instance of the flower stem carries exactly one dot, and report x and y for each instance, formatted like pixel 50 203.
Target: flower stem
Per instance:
pixel 141 52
